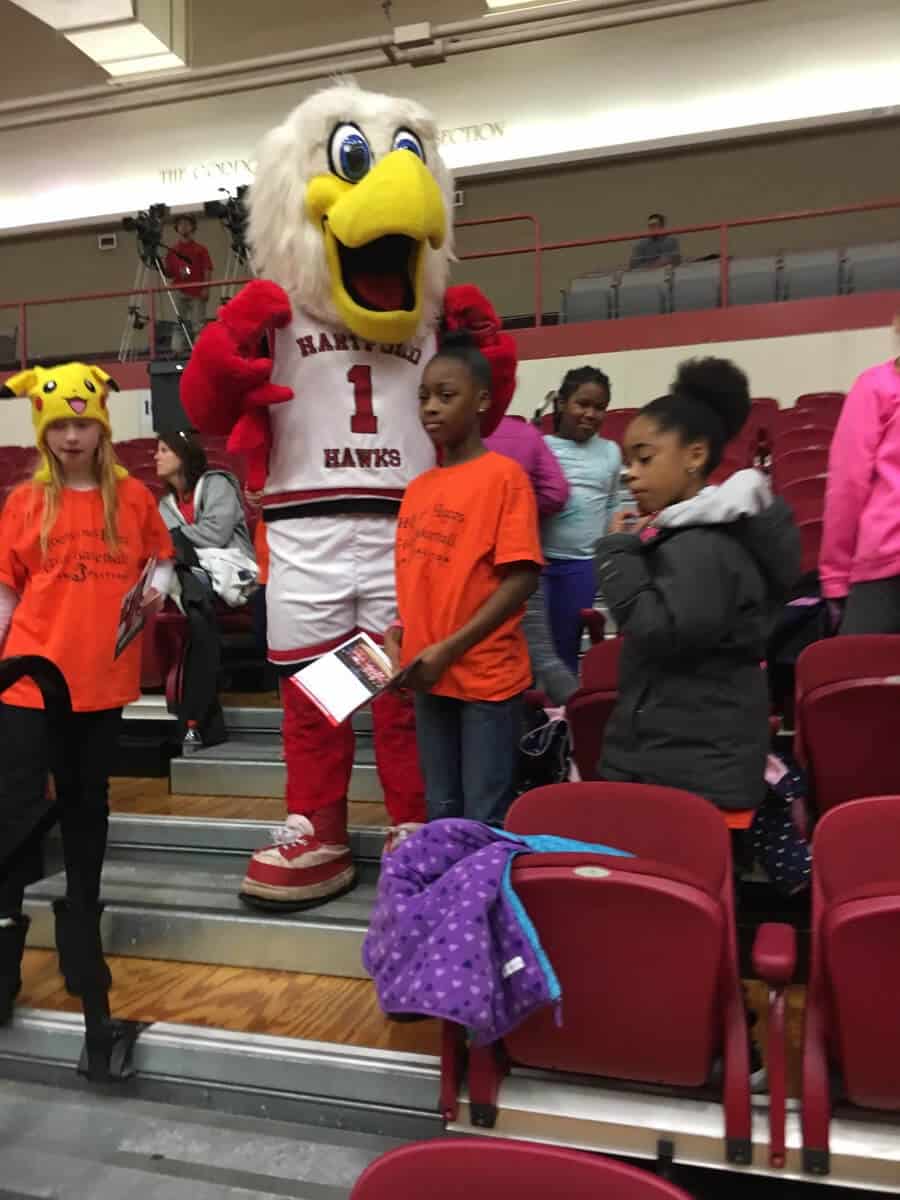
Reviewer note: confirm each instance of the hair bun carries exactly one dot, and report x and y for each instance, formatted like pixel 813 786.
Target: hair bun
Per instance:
pixel 718 384
pixel 458 339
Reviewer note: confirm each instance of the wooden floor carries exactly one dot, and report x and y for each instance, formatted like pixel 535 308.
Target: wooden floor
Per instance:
pixel 281 1003
pixel 150 797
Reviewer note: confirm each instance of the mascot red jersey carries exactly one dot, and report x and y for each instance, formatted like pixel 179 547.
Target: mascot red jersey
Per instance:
pixel 314 371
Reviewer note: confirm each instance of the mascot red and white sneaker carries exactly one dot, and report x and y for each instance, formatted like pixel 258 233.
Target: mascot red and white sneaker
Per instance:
pixel 314 372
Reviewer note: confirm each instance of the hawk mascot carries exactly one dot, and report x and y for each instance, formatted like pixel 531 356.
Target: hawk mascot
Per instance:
pixel 313 370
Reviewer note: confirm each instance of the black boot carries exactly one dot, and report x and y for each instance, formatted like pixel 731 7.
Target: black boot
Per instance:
pixel 77 929
pixel 12 947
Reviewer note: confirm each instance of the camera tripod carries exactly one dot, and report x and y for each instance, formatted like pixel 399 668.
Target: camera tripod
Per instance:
pixel 237 267
pixel 137 319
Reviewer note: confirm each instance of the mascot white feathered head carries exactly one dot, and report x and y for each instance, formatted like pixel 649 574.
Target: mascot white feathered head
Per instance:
pixel 350 212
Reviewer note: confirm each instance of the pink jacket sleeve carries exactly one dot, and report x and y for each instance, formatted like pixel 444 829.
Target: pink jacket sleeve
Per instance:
pixel 851 465
pixel 550 484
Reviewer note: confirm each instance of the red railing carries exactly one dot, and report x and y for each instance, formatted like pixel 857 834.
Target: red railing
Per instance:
pixel 538 248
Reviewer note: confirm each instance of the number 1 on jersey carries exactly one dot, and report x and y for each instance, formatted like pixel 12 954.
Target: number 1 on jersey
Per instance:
pixel 363 419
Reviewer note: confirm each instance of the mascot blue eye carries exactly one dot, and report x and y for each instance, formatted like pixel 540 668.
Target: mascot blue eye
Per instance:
pixel 404 139
pixel 350 153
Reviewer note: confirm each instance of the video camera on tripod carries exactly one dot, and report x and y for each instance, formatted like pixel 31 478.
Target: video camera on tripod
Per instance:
pixel 233 214
pixel 148 225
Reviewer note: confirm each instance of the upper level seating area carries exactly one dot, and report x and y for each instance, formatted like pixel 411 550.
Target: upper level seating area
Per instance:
pixel 692 286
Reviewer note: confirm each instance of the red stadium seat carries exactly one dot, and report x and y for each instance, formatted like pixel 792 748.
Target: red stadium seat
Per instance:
pixel 800 418
pixel 483 1169
pixel 802 437
pixel 590 707
pixel 616 421
pixel 847 718
pixel 820 399
pixel 852 1014
pixel 548 423
pixel 805 496
pixel 660 925
pixel 810 543
pixel 799 464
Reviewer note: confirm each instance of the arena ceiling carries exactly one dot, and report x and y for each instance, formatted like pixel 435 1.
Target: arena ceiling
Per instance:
pixel 38 61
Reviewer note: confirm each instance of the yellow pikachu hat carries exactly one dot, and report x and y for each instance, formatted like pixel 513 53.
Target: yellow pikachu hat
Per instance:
pixel 70 392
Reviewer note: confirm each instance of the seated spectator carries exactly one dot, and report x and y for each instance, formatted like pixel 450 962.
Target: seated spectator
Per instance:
pixel 592 466
pixel 658 249
pixel 859 563
pixel 202 510
pixel 694 585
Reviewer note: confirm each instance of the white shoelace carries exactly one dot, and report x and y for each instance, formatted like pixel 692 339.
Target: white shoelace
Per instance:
pixel 287 835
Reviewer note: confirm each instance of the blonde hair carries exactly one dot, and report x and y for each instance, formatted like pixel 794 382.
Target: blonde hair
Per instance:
pixel 105 470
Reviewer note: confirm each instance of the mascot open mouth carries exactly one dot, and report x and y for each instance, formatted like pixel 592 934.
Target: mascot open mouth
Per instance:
pixel 381 275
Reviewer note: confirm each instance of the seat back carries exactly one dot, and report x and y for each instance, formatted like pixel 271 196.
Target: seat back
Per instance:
pixel 629 921
pixel 753 280
pixel 799 464
pixel 874 268
pixel 857 934
pixel 617 939
pixel 847 717
pixel 589 709
pixel 810 531
pixel 644 293
pixel 591 298
pixel 811 273
pixel 807 436
pixel 696 286
pixel 798 418
pixel 806 497
pixel 616 422
pixel 498 1169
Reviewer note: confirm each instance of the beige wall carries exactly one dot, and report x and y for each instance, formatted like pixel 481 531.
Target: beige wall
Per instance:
pixel 813 171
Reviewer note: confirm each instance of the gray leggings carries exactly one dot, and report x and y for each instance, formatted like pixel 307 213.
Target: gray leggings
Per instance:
pixel 873 607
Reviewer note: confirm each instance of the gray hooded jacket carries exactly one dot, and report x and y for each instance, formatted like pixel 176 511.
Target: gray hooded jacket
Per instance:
pixel 219 520
pixel 696 596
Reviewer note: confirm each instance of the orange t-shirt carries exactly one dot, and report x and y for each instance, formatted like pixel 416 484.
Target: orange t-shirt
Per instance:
pixel 69 602
pixel 458 526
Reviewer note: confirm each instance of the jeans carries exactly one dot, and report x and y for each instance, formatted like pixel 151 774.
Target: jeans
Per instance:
pixel 569 586
pixel 469 752
pixel 80 755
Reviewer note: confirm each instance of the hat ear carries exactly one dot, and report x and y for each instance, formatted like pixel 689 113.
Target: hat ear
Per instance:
pixel 107 380
pixel 21 384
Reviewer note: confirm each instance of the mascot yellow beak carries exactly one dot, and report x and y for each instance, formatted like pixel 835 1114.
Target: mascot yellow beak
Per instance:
pixel 376 232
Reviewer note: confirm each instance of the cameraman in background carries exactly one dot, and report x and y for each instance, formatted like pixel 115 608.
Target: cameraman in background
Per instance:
pixel 188 267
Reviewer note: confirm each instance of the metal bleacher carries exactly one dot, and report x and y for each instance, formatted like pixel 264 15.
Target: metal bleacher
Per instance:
pixel 696 286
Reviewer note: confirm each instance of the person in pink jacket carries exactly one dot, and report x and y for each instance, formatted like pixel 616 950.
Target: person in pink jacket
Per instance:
pixel 519 440
pixel 859 562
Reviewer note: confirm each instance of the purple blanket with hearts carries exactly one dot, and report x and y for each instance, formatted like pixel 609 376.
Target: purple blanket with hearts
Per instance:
pixel 449 937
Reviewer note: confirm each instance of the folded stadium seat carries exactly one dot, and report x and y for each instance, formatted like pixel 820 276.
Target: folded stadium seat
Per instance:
pixel 760 425
pixel 731 463
pixel 847 718
pixel 873 268
pixel 852 1014
pixel 616 422
pixel 483 1169
pixel 802 437
pixel 810 273
pixel 798 464
pixel 804 418
pixel 806 497
pixel 817 400
pixel 644 949
pixel 753 280
pixel 645 293
pixel 591 298
pixel 548 423
pixel 810 530
pixel 588 710
pixel 695 286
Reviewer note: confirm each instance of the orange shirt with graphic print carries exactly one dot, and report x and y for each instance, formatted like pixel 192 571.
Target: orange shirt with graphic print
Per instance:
pixel 458 528
pixel 69 600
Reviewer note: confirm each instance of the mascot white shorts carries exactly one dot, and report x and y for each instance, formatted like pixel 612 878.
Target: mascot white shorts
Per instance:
pixel 329 577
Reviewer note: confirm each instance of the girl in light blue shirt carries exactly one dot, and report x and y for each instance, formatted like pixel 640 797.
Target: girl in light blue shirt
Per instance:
pixel 593 466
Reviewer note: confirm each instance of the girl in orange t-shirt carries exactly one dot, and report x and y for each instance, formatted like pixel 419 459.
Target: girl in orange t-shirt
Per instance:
pixel 468 556
pixel 73 542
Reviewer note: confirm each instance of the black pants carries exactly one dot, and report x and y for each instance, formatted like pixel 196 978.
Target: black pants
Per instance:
pixel 200 677
pixel 80 753
pixel 873 607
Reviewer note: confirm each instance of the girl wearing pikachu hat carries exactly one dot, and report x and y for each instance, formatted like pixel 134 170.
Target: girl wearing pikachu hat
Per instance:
pixel 73 541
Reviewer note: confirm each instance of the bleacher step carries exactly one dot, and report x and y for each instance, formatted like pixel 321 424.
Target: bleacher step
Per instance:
pixel 184 906
pixel 252 764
